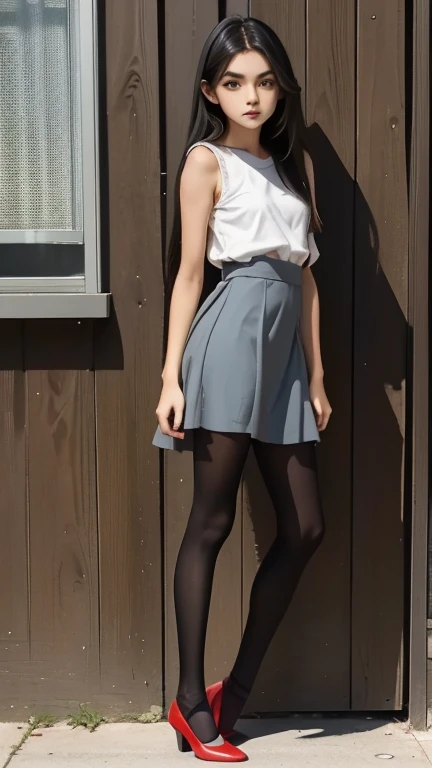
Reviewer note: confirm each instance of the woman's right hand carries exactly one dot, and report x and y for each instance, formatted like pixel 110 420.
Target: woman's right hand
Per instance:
pixel 171 400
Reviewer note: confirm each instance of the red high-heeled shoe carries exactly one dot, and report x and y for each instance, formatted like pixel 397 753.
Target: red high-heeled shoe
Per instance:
pixel 214 698
pixel 186 740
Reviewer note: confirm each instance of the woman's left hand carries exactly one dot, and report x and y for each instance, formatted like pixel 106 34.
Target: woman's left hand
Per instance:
pixel 320 402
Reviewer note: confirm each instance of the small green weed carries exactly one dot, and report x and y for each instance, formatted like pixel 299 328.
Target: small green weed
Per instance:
pixel 154 715
pixel 43 720
pixel 87 718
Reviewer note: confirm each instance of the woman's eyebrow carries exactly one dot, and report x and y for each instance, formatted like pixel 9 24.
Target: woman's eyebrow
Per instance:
pixel 241 77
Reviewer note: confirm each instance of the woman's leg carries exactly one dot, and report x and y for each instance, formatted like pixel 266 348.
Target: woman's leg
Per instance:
pixel 290 474
pixel 218 464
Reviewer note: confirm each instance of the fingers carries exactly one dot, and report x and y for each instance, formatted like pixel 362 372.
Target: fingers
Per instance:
pixel 178 415
pixel 323 423
pixel 165 426
pixel 171 431
pixel 176 433
pixel 325 416
pixel 318 412
pixel 322 414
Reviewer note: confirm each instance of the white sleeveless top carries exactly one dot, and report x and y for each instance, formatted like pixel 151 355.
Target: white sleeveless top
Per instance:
pixel 256 213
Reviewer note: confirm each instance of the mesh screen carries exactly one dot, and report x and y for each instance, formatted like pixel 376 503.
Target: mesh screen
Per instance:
pixel 40 120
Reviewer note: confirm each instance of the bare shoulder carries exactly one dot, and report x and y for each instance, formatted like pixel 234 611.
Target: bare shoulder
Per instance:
pixel 199 177
pixel 201 159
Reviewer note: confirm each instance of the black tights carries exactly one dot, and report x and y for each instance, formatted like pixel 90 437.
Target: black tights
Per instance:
pixel 290 474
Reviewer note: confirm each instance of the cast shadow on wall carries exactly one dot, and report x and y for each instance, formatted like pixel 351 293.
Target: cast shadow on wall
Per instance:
pixel 338 647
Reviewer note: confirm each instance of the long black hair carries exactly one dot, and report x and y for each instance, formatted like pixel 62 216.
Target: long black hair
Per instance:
pixel 283 135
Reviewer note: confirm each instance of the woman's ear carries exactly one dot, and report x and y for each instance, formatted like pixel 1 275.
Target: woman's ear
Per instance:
pixel 208 92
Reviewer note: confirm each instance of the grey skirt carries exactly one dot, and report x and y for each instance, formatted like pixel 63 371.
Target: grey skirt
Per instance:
pixel 243 367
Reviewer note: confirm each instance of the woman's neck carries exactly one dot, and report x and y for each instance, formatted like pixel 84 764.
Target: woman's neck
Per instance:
pixel 253 148
pixel 249 142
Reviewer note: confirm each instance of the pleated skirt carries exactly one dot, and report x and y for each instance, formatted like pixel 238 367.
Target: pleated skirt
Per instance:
pixel 243 367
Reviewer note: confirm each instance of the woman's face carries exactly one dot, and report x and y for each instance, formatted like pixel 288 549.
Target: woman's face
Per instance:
pixel 246 85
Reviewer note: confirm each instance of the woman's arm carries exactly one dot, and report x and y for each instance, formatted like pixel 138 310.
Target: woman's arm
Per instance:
pixel 197 184
pixel 310 332
pixel 197 187
pixel 310 329
pixel 310 325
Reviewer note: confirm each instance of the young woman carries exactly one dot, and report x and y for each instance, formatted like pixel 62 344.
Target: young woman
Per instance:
pixel 245 369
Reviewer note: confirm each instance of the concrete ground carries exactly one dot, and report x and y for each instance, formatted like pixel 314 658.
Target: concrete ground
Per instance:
pixel 298 741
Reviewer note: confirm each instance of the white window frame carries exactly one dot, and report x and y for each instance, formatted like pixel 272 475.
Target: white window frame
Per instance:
pixel 69 296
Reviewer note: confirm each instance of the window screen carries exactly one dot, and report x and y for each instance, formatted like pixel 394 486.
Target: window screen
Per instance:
pixel 40 118
pixel 49 160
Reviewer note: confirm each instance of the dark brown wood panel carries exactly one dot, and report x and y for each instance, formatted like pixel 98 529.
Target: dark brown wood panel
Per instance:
pixel 127 362
pixel 315 656
pixel 380 338
pixel 420 694
pixel 14 621
pixel 187 26
pixel 90 538
pixel 237 6
pixel 330 113
pixel 62 543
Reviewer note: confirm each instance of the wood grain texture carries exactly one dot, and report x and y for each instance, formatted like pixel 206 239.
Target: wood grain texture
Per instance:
pixel 289 22
pixel 127 362
pixel 61 544
pixel 330 113
pixel 86 558
pixel 420 693
pixel 63 527
pixel 380 338
pixel 187 26
pixel 307 666
pixel 237 6
pixel 14 618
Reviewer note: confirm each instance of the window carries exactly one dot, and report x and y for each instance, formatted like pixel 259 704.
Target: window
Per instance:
pixel 49 206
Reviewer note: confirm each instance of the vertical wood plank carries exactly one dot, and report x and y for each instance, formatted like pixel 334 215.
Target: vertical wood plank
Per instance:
pixel 380 337
pixel 187 26
pixel 289 22
pixel 330 113
pixel 237 6
pixel 127 362
pixel 419 276
pixel 311 648
pixel 14 621
pixel 63 569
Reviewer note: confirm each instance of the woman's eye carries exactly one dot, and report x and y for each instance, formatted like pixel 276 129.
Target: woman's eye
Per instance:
pixel 234 83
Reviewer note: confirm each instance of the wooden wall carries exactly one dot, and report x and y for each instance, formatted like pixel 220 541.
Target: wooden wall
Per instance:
pixel 81 551
pixel 94 515
pixel 341 643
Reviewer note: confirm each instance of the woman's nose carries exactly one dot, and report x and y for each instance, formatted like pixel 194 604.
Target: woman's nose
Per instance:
pixel 252 97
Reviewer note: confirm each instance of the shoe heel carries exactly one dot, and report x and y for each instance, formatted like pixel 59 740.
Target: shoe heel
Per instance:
pixel 182 743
